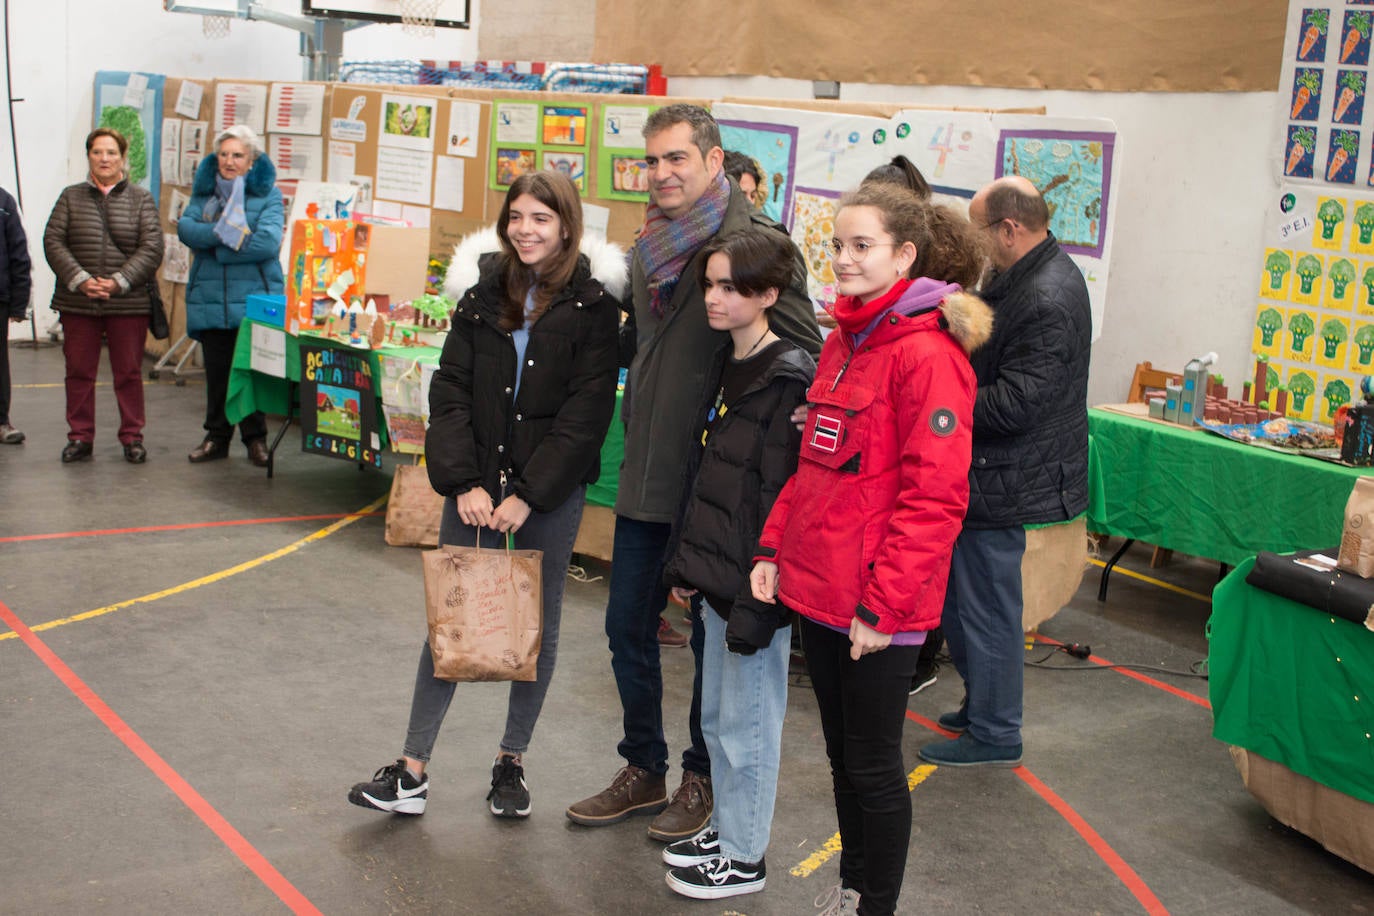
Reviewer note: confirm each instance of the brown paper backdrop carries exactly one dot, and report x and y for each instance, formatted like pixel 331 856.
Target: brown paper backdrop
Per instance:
pixel 1114 45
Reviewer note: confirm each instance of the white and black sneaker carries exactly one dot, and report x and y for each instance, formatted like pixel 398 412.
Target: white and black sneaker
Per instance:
pixel 392 789
pixel 509 796
pixel 716 878
pixel 694 850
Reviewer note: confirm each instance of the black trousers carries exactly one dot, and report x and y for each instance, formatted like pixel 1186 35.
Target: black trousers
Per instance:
pixel 863 712
pixel 4 366
pixel 217 349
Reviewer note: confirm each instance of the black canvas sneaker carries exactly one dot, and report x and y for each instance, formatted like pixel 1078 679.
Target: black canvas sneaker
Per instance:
pixel 509 796
pixel 392 789
pixel 719 877
pixel 694 850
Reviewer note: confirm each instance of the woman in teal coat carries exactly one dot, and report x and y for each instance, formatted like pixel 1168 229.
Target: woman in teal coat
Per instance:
pixel 233 225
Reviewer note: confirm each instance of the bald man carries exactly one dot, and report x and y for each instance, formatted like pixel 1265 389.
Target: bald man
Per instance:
pixel 1030 462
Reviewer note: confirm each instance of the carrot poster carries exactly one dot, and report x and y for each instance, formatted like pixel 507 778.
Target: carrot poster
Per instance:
pixel 1355 38
pixel 1315 25
pixel 1307 93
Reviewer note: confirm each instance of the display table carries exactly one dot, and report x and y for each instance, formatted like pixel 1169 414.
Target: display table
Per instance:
pixel 1195 492
pixel 1296 687
pixel 250 390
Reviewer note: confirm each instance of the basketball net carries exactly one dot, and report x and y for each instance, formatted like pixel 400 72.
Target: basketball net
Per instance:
pixel 215 26
pixel 417 17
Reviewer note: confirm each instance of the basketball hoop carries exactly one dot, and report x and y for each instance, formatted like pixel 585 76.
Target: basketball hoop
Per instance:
pixel 417 17
pixel 215 26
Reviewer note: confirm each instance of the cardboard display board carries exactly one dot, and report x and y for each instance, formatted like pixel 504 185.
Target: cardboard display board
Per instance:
pixel 1163 46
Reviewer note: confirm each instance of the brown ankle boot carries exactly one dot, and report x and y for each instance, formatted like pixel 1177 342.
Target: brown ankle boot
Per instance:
pixel 633 791
pixel 687 813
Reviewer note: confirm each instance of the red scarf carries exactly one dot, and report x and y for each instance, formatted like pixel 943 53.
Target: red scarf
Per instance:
pixel 854 316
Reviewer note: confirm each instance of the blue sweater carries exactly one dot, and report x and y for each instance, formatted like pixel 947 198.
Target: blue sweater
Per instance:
pixel 221 278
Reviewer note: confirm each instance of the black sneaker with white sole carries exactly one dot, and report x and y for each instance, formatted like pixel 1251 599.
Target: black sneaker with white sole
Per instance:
pixel 694 850
pixel 509 796
pixel 392 789
pixel 716 878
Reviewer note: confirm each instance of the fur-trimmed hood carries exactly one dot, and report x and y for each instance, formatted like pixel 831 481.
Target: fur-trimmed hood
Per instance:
pixel 969 319
pixel 607 260
pixel 260 178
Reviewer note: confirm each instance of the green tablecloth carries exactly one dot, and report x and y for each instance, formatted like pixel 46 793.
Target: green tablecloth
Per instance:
pixel 250 391
pixel 1293 684
pixel 1192 491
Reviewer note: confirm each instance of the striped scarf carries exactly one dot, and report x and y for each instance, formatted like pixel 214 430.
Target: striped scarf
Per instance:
pixel 666 245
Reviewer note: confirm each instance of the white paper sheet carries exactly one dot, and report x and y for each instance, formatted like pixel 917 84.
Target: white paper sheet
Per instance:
pixel 268 355
pixel 342 161
pixel 135 90
pixel 464 119
pixel 188 99
pixel 297 157
pixel 176 259
pixel 517 124
pixel 296 108
pixel 171 149
pixel 448 184
pixel 240 103
pixel 404 175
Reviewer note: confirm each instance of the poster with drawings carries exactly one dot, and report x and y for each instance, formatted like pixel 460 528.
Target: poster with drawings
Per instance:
pixel 1327 131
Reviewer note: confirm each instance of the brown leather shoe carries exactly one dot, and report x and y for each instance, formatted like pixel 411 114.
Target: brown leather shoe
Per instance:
pixel 669 638
pixel 687 813
pixel 633 791
pixel 209 450
pixel 257 453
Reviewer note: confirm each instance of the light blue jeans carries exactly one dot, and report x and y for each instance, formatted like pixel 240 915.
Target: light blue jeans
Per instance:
pixel 743 701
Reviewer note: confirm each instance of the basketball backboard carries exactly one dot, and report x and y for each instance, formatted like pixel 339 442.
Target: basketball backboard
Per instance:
pixel 450 14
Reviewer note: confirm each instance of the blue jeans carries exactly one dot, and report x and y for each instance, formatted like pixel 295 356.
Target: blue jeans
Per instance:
pixel 982 624
pixel 552 532
pixel 637 598
pixel 743 701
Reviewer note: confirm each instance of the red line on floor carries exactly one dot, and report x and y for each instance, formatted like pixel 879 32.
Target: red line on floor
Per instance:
pixel 184 526
pixel 1124 872
pixel 1143 678
pixel 1104 851
pixel 239 846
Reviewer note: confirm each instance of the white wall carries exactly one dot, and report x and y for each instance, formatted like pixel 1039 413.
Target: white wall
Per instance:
pixel 56 47
pixel 1195 169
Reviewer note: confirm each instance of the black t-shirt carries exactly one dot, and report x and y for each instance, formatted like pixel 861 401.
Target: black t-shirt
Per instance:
pixel 737 377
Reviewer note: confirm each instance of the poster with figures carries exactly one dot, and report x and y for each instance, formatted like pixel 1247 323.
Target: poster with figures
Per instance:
pixel 1074 160
pixel 1314 312
pixel 773 148
pixel 1314 317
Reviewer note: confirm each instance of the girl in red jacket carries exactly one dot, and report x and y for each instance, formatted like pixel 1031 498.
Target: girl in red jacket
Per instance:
pixel 859 541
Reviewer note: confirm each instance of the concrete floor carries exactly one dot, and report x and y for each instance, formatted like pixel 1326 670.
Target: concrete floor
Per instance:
pixel 264 685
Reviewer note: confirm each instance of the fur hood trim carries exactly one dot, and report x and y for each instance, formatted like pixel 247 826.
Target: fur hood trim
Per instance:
pixel 969 319
pixel 608 262
pixel 261 177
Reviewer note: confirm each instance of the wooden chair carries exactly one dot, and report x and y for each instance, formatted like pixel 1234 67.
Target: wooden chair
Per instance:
pixel 1147 376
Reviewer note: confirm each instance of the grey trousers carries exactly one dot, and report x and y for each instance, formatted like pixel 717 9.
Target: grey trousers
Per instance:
pixel 552 532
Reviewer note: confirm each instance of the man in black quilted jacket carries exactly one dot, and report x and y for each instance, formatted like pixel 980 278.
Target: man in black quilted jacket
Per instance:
pixel 14 300
pixel 1030 462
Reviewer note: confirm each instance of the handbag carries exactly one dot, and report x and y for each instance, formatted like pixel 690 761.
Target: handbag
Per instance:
pixel 483 606
pixel 157 315
pixel 413 509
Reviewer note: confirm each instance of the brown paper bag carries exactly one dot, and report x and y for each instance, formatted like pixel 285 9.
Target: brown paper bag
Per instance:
pixel 484 612
pixel 1357 537
pixel 413 510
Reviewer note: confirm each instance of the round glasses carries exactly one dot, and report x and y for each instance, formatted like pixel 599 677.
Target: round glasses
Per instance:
pixel 858 249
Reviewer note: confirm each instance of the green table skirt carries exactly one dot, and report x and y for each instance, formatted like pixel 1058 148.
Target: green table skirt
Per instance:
pixel 1198 493
pixel 1293 684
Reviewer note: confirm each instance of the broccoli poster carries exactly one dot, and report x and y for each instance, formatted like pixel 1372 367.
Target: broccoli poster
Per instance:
pixel 131 103
pixel 339 404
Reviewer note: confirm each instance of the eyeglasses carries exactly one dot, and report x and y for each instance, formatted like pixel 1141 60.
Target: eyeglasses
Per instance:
pixel 1006 219
pixel 858 249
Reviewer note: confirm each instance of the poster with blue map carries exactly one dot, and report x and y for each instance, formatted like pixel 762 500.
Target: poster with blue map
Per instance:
pixel 1073 171
pixel 774 148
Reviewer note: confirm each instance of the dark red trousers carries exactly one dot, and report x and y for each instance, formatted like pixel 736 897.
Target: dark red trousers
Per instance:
pixel 81 335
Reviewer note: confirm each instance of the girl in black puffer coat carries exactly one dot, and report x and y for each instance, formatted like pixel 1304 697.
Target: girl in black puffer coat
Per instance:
pixel 518 410
pixel 748 451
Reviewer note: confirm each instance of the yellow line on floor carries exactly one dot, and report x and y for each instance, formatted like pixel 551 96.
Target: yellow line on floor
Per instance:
pixel 818 858
pixel 1205 599
pixel 213 577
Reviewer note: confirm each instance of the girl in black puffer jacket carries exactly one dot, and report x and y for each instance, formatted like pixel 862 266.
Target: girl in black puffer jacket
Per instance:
pixel 518 410
pixel 748 451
